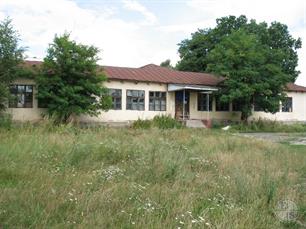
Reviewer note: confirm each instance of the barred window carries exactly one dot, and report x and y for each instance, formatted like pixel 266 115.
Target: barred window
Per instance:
pixel 202 102
pixel 135 100
pixel 287 105
pixel 21 96
pixel 157 101
pixel 236 106
pixel 116 95
pixel 221 106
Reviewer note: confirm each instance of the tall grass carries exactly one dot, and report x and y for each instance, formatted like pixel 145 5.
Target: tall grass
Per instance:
pixel 136 178
pixel 269 126
pixel 159 121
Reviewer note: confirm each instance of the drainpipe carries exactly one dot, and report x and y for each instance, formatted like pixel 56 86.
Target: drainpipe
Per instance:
pixel 184 105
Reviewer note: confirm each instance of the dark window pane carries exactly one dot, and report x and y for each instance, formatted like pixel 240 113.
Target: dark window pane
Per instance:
pixel 135 99
pixel 221 106
pixel 116 98
pixel 157 101
pixel 21 96
pixel 203 100
pixel 287 105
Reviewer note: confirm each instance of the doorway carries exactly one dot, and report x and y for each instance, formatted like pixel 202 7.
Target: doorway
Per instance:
pixel 182 112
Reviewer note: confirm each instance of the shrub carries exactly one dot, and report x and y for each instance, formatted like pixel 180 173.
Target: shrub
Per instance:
pixel 142 124
pixel 166 122
pixel 160 122
pixel 5 121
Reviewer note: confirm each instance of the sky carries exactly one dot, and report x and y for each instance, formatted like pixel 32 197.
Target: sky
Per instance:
pixel 134 33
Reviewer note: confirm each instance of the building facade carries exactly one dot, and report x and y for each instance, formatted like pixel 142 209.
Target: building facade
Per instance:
pixel 143 93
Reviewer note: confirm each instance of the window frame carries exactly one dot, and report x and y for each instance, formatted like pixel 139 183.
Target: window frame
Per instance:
pixel 24 93
pixel 138 98
pixel 115 97
pixel 161 98
pixel 236 106
pixel 217 98
pixel 291 103
pixel 202 104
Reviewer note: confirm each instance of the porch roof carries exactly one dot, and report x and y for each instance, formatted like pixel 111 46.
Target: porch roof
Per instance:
pixel 180 87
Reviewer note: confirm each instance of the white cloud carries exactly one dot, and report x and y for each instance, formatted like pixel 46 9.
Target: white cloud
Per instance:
pixel 122 43
pixel 139 42
pixel 133 5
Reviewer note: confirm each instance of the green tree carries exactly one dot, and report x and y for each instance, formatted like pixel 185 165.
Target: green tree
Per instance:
pixel 256 60
pixel 166 64
pixel 71 82
pixel 11 57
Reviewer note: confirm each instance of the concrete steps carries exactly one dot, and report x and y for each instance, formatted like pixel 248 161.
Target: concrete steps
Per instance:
pixel 195 123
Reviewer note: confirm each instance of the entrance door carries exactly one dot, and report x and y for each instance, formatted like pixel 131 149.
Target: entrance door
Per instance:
pixel 179 96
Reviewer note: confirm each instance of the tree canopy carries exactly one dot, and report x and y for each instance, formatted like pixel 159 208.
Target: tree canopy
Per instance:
pixel 11 57
pixel 256 60
pixel 71 82
pixel 166 64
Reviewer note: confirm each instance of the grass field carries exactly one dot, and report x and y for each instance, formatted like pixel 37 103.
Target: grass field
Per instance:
pixel 126 178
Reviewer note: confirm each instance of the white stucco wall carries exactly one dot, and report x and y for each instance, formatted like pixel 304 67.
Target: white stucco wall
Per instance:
pixel 217 115
pixel 298 110
pixel 130 115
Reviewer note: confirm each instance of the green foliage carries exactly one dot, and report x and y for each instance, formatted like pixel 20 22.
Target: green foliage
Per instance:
pixel 142 124
pixel 256 60
pixel 11 56
pixel 166 122
pixel 5 121
pixel 71 82
pixel 167 64
pixel 159 121
pixel 269 126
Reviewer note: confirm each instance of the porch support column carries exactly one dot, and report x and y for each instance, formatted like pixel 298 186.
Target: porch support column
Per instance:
pixel 184 104
pixel 207 105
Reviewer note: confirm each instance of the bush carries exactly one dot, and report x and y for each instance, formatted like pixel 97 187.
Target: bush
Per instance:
pixel 5 121
pixel 142 124
pixel 166 122
pixel 160 122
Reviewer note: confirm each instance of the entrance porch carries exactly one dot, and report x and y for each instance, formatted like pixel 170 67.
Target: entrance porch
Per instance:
pixel 183 102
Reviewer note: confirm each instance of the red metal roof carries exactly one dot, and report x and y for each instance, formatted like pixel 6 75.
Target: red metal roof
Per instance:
pixel 158 74
pixel 295 87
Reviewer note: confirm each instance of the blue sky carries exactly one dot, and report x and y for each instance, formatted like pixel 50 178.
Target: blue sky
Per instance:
pixel 134 32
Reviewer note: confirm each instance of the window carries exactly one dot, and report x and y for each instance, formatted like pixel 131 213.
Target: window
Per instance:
pixel 116 95
pixel 236 106
pixel 157 101
pixel 287 105
pixel 202 102
pixel 135 100
pixel 257 107
pixel 22 96
pixel 221 106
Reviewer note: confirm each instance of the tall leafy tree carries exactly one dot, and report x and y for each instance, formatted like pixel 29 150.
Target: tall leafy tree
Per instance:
pixel 71 82
pixel 11 57
pixel 166 64
pixel 256 60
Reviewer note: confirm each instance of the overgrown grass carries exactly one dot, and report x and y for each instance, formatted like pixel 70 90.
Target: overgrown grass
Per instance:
pixel 136 178
pixel 269 126
pixel 5 121
pixel 160 122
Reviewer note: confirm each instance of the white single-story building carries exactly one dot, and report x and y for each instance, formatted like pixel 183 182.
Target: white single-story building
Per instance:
pixel 142 93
